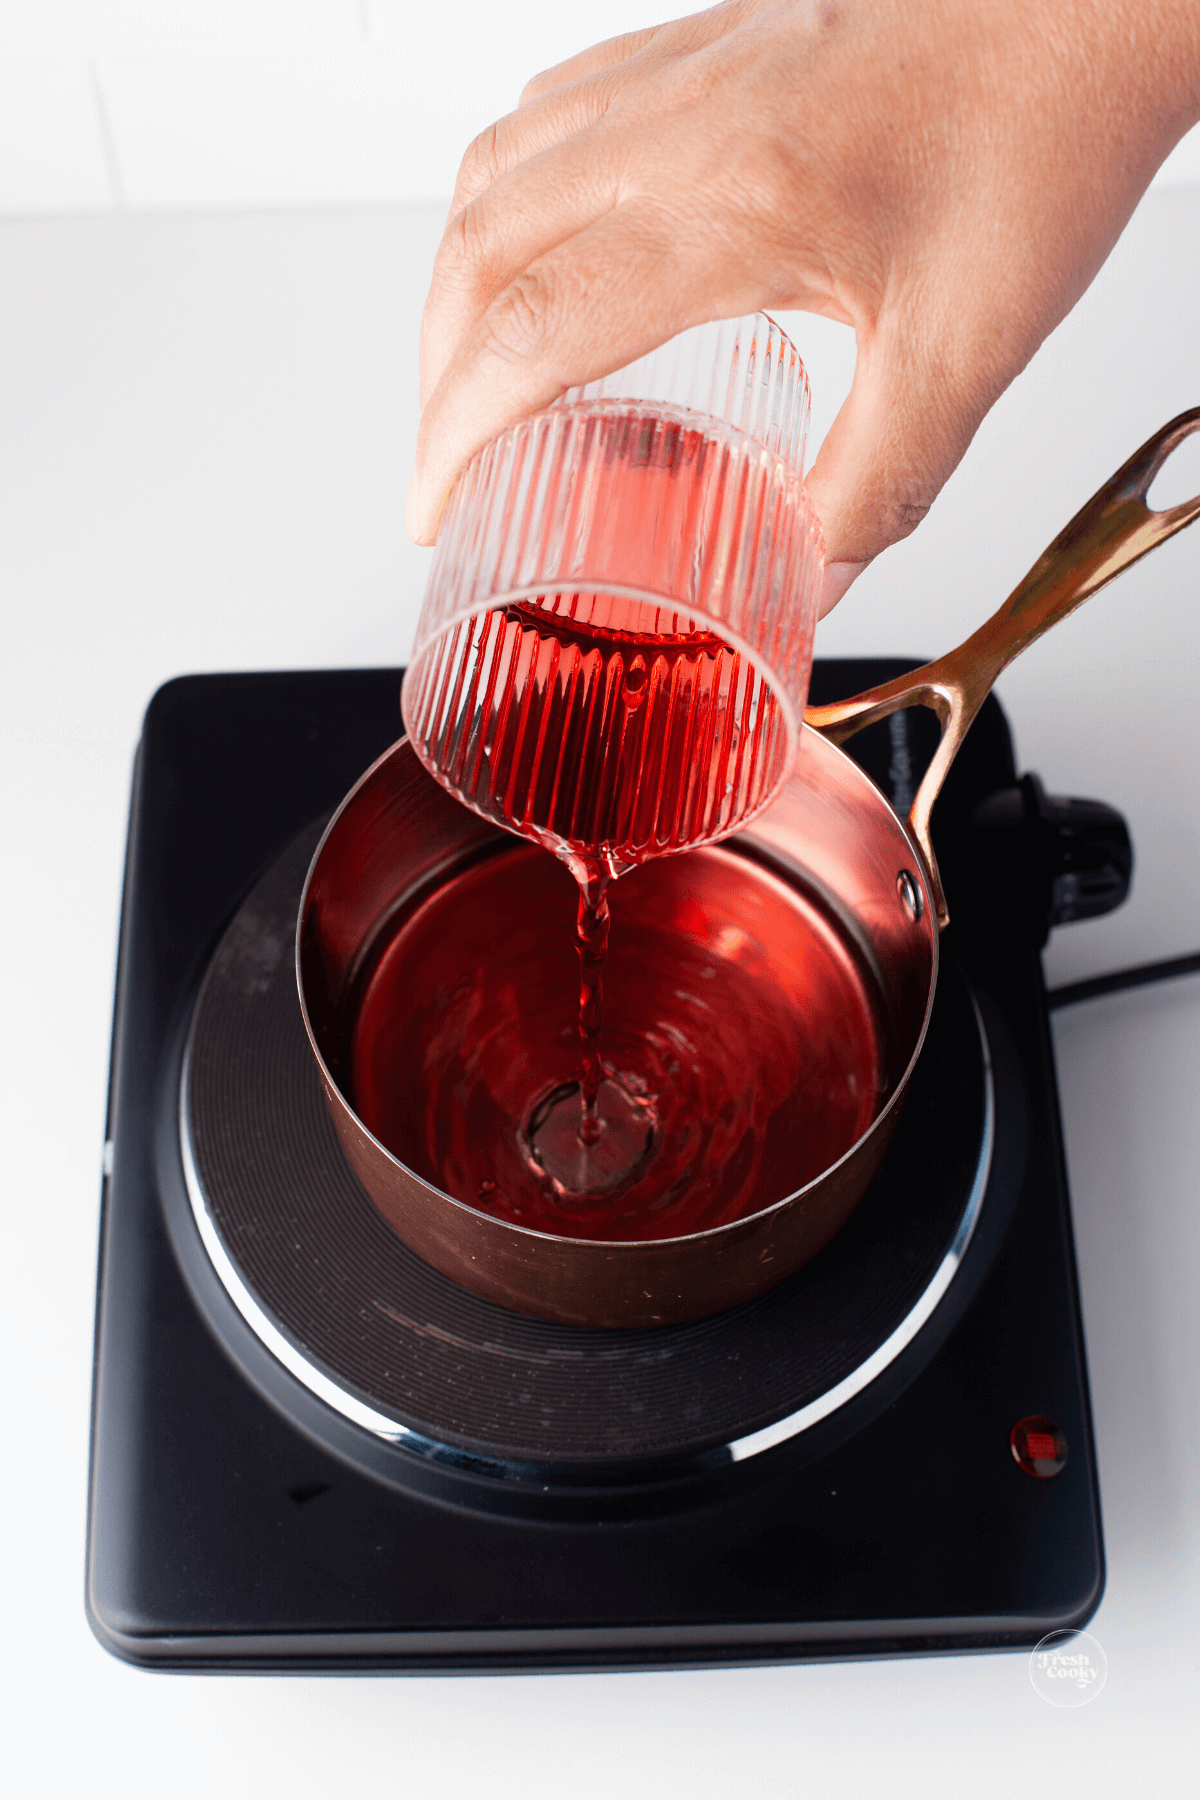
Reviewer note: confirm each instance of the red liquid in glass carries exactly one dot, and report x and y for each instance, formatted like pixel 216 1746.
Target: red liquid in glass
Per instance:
pixel 741 1046
pixel 603 728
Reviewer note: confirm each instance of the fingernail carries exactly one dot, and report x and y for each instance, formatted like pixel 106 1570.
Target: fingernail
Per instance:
pixel 410 511
pixel 837 578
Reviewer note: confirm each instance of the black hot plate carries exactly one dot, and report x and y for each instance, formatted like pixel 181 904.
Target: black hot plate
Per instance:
pixel 825 1471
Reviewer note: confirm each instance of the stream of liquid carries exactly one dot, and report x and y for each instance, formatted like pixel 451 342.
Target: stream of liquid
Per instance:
pixel 592 919
pixel 610 732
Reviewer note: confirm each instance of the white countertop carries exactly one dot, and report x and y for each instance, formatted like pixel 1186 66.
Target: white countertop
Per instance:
pixel 205 435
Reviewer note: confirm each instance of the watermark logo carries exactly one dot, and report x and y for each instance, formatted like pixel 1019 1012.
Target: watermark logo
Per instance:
pixel 1068 1668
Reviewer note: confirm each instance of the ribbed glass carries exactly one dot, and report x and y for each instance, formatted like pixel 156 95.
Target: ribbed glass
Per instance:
pixel 614 649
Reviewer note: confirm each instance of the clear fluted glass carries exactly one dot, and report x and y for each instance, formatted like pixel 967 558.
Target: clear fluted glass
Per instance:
pixel 614 649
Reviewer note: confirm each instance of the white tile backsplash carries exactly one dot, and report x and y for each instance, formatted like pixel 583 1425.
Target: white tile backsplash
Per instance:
pixel 52 156
pixel 260 131
pixel 103 27
pixel 253 103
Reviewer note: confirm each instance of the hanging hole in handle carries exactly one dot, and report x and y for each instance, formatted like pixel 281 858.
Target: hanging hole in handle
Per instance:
pixel 1178 481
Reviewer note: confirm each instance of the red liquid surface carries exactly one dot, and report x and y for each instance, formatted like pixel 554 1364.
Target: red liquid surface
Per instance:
pixel 741 1050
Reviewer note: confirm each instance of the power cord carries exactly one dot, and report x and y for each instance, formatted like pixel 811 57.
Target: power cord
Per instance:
pixel 1140 976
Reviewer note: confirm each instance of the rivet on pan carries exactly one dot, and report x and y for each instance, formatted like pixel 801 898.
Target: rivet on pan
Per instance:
pixel 909 890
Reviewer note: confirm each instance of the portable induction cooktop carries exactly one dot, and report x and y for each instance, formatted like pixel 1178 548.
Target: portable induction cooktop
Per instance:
pixel 311 1450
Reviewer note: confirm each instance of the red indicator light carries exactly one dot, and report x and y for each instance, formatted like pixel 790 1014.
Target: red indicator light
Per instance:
pixel 1038 1447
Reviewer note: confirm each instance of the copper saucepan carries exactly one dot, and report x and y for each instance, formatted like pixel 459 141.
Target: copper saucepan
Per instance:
pixel 830 844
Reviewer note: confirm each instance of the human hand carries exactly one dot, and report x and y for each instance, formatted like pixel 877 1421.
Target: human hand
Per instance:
pixel 946 177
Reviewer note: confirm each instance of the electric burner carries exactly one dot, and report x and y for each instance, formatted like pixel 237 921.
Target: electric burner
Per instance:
pixel 387 1341
pixel 311 1449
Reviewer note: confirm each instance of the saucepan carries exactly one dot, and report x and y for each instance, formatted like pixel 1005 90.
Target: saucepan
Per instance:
pixel 427 938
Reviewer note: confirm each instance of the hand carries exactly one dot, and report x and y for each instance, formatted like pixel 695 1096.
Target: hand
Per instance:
pixel 946 176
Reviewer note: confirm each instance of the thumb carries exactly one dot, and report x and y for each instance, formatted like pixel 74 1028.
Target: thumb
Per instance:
pixel 900 434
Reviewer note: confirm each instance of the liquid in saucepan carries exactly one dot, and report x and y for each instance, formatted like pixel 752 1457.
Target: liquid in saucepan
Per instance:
pixel 741 1052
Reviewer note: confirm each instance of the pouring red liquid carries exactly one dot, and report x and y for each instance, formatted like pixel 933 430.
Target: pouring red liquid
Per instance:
pixel 609 744
pixel 607 725
pixel 605 729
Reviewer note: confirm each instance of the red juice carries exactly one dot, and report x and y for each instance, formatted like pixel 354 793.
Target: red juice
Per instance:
pixel 742 1045
pixel 604 728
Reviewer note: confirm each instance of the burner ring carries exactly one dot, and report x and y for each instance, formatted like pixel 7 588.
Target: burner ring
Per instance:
pixel 407 1355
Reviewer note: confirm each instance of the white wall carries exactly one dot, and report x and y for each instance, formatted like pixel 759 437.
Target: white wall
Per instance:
pixel 228 103
pixel 167 104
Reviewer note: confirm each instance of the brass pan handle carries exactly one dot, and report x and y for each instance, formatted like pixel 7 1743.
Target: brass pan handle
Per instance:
pixel 1114 529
